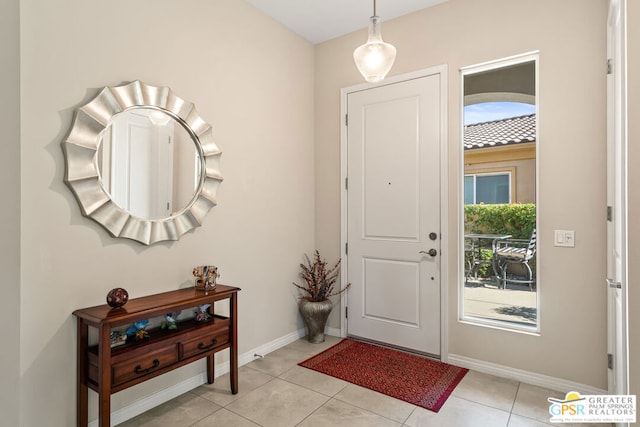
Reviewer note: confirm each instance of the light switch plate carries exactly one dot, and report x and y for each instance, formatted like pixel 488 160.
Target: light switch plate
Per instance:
pixel 564 238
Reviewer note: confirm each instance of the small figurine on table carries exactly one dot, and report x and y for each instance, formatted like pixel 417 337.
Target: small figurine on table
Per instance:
pixel 170 321
pixel 138 330
pixel 202 315
pixel 206 276
pixel 118 338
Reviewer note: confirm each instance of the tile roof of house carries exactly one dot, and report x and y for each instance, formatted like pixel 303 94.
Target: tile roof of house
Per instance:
pixel 500 132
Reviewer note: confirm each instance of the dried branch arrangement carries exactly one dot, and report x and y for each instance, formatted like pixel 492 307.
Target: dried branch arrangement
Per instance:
pixel 319 280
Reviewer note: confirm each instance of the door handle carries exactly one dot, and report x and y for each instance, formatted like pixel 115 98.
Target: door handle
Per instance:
pixel 431 252
pixel 613 284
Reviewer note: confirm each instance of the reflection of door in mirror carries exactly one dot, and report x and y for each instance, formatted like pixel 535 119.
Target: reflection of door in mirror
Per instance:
pixel 142 164
pixel 148 163
pixel 499 188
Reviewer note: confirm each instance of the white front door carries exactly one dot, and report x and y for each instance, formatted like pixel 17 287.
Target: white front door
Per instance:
pixel 616 200
pixel 394 136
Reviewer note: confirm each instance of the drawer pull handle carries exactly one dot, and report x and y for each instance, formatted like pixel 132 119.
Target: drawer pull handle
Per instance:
pixel 138 369
pixel 201 346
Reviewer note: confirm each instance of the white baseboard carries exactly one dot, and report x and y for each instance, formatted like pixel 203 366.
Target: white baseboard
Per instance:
pixel 334 332
pixel 557 384
pixel 267 348
pixel 140 406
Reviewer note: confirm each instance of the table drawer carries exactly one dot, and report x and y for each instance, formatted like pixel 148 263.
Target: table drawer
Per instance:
pixel 144 363
pixel 204 343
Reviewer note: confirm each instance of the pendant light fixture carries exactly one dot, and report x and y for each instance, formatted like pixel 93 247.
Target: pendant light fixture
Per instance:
pixel 375 58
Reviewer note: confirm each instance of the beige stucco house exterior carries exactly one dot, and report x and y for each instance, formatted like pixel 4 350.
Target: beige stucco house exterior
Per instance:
pixel 506 146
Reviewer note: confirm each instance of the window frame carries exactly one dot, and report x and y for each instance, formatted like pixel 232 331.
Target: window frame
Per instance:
pixel 504 325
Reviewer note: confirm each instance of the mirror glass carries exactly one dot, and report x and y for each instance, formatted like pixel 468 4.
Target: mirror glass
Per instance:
pixel 499 276
pixel 148 163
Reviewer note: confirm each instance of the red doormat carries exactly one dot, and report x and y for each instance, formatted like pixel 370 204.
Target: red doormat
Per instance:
pixel 420 381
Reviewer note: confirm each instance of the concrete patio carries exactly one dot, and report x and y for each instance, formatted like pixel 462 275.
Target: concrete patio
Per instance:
pixel 517 304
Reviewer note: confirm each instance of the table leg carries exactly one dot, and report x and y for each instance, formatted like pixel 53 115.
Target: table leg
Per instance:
pixel 82 390
pixel 104 377
pixel 233 350
pixel 211 368
pixel 476 257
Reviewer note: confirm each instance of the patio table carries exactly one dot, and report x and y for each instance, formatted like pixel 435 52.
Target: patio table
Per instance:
pixel 477 242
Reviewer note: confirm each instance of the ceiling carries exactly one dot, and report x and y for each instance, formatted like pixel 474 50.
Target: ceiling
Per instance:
pixel 321 20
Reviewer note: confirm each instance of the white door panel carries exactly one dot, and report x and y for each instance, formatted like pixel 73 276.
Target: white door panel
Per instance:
pixel 389 213
pixel 378 275
pixel 393 204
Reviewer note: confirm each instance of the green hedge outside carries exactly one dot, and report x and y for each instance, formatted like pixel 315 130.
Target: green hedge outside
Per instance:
pixel 519 220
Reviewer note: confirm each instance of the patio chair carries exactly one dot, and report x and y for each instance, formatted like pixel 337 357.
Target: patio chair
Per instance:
pixel 514 251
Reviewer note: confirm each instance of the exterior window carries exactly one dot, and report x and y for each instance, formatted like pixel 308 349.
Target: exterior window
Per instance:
pixel 499 185
pixel 488 189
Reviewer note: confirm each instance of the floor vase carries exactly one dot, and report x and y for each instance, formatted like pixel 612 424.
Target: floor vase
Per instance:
pixel 315 315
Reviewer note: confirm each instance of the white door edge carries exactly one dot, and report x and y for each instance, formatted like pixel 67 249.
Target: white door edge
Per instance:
pixel 619 64
pixel 441 70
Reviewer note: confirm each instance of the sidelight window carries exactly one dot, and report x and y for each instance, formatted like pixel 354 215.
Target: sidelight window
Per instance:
pixel 499 146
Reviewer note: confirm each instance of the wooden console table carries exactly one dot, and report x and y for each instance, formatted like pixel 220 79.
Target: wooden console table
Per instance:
pixel 109 370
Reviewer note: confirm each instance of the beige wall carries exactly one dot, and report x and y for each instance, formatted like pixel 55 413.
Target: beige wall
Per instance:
pixel 633 90
pixel 571 38
pixel 253 81
pixel 10 218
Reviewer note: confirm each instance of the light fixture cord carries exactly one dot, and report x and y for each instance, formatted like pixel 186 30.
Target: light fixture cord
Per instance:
pixel 374 8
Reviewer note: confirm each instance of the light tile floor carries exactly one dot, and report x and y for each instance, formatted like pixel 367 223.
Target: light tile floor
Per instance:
pixel 274 391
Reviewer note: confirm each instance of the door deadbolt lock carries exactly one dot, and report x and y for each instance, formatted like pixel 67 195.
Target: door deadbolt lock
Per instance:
pixel 433 235
pixel 431 252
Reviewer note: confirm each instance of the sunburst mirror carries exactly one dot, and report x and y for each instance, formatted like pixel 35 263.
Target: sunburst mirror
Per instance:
pixel 142 163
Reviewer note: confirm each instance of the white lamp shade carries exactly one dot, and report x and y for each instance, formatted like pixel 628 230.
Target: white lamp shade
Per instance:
pixel 375 58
